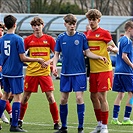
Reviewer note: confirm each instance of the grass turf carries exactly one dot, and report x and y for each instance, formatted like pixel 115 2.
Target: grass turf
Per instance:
pixel 39 120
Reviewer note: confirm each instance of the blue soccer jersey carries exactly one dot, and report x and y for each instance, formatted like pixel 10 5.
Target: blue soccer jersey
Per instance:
pixel 72 48
pixel 125 46
pixel 11 45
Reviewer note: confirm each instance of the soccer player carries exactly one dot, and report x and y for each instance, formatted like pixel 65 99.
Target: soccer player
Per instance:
pixel 100 73
pixel 12 58
pixel 73 74
pixel 39 45
pixel 8 106
pixel 123 76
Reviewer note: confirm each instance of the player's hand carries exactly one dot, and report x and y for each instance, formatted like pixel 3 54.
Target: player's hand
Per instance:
pixel 104 59
pixel 42 62
pixel 54 71
pixel 0 68
pixel 109 48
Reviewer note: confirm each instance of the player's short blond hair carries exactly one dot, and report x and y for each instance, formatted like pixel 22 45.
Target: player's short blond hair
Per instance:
pixel 93 14
pixel 128 24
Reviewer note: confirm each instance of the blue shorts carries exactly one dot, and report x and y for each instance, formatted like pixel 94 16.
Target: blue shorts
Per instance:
pixel 75 83
pixel 123 83
pixel 14 85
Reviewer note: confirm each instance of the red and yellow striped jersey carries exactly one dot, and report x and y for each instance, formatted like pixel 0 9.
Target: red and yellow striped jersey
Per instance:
pixel 97 41
pixel 39 48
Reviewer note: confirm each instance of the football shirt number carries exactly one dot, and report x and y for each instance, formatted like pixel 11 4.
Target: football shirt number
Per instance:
pixel 7 48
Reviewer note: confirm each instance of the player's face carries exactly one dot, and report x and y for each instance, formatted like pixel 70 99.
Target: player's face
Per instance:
pixel 94 23
pixel 70 28
pixel 1 32
pixel 37 28
pixel 131 32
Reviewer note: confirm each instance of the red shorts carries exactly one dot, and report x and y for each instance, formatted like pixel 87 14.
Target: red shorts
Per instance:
pixel 100 82
pixel 31 83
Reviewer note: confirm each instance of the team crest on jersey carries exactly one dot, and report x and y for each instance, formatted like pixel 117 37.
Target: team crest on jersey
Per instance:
pixel 45 42
pixel 97 35
pixel 76 42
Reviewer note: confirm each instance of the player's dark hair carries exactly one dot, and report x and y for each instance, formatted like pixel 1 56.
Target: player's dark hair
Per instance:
pixel 9 21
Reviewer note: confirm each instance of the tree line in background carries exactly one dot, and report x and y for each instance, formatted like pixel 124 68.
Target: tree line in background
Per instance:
pixel 107 7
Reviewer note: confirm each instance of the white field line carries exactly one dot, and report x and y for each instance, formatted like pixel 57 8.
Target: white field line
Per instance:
pixel 44 124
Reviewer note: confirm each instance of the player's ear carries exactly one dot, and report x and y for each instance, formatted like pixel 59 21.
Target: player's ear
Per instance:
pixel 99 20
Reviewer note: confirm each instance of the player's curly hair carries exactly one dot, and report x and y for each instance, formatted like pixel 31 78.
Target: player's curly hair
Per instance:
pixel 93 14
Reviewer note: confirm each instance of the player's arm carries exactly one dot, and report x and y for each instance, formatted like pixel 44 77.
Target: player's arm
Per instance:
pixel 112 47
pixel 55 60
pixel 91 55
pixel 24 58
pixel 126 59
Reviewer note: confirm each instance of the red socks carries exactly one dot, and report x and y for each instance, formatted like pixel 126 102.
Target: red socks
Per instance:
pixel 54 111
pixel 23 108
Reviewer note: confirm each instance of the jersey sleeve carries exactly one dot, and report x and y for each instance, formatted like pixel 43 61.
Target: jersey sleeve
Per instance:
pixel 57 46
pixel 107 37
pixel 21 45
pixel 52 43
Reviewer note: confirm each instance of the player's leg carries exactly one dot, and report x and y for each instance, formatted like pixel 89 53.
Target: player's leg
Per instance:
pixel 80 110
pixel 63 112
pixel 95 101
pixel 53 108
pixel 16 85
pixel 79 85
pixel 5 96
pixel 46 85
pixel 65 88
pixel 3 105
pixel 128 110
pixel 23 107
pixel 30 85
pixel 116 108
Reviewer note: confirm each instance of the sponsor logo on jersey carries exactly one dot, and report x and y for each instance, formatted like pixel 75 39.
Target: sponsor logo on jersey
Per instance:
pixel 64 43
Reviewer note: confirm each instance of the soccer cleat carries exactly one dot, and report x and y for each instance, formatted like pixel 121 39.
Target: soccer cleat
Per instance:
pixel 4 119
pixel 62 130
pixel 96 130
pixel 20 123
pixel 127 122
pixel 56 126
pixel 16 129
pixel 104 130
pixel 80 130
pixel 115 122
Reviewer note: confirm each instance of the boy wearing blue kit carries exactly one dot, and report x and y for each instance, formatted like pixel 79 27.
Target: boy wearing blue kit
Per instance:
pixel 123 76
pixel 73 74
pixel 12 58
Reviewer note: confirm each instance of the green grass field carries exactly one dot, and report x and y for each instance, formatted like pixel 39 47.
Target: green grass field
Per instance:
pixel 38 118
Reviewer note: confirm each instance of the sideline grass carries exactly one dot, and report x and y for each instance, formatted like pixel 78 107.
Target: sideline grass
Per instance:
pixel 38 118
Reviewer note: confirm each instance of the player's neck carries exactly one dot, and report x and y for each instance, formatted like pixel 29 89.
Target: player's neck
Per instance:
pixel 11 31
pixel 127 34
pixel 38 34
pixel 70 33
